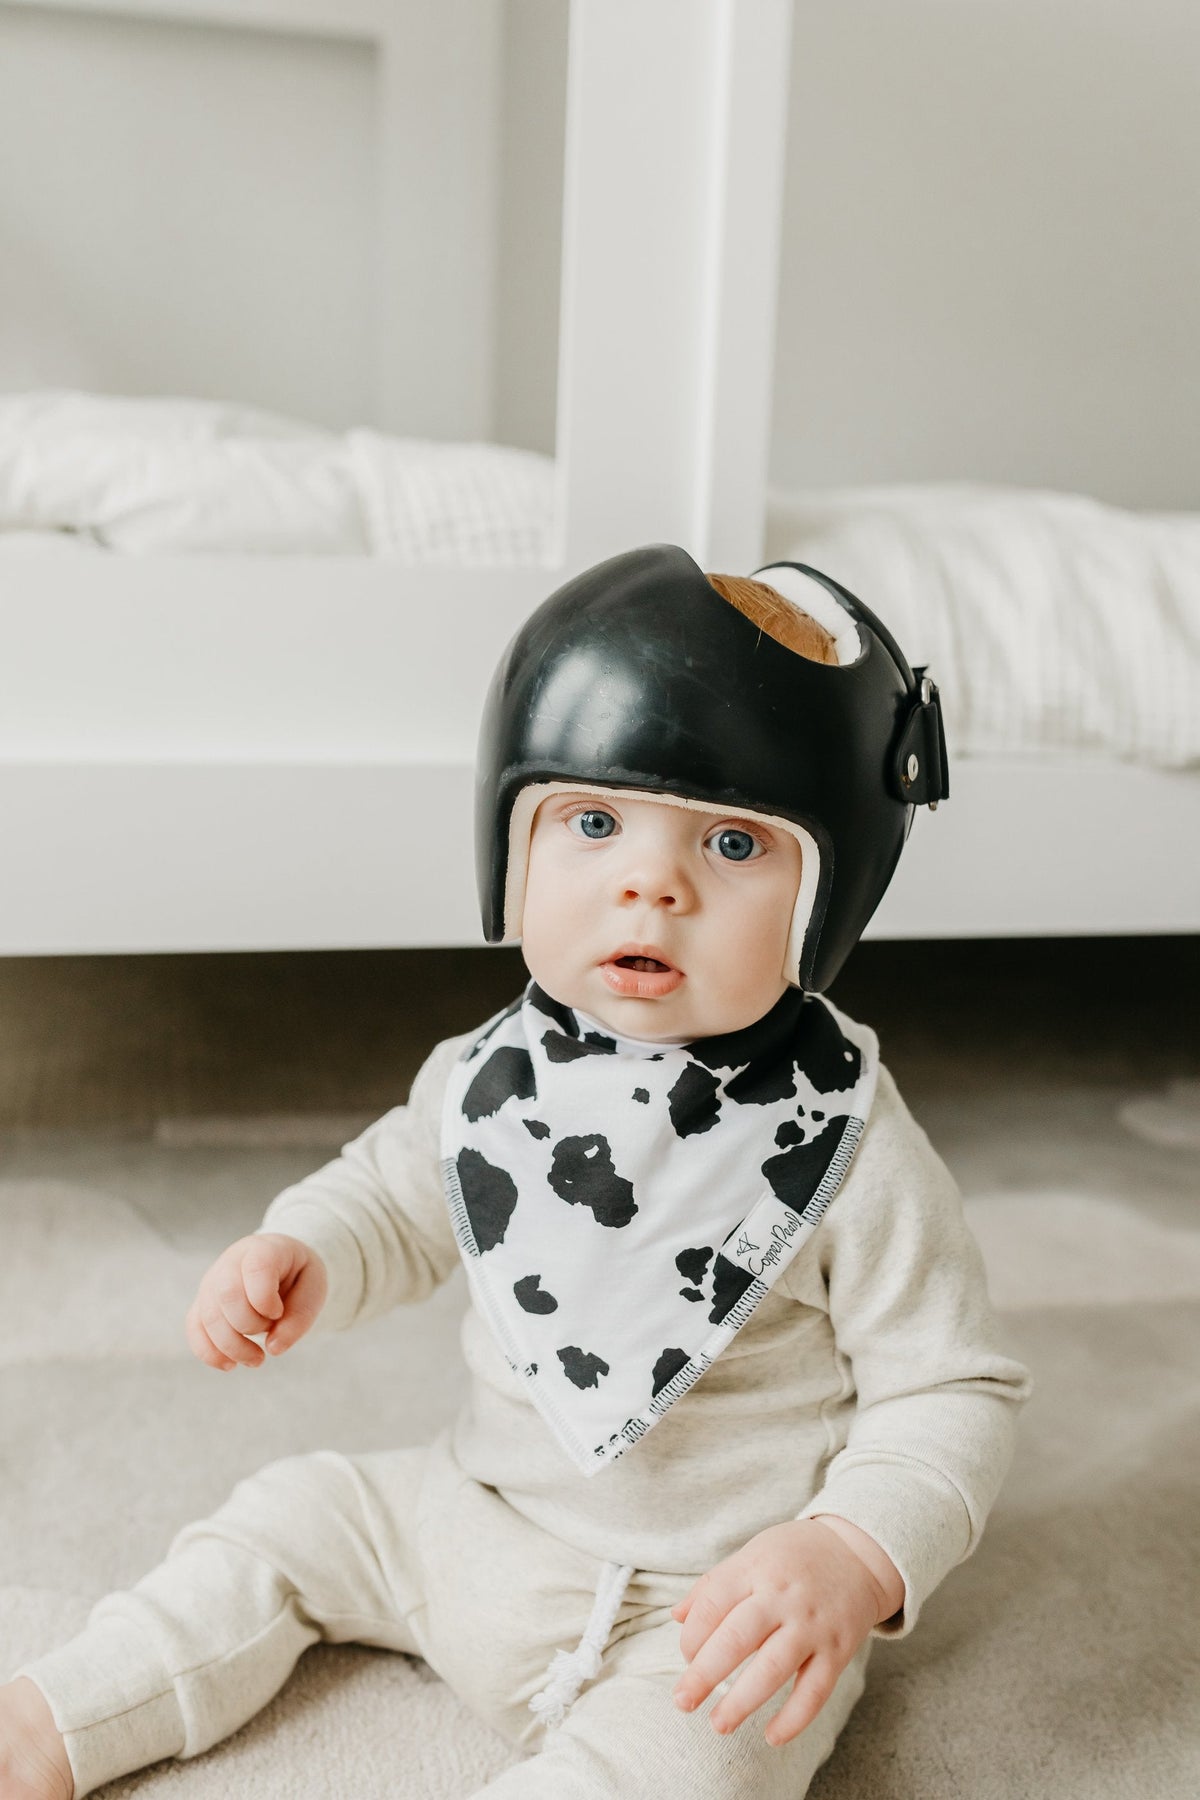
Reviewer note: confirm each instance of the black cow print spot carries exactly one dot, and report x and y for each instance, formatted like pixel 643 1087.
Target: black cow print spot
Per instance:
pixel 489 1195
pixel 691 1293
pixel 506 1075
pixel 796 1174
pixel 582 1174
pixel 816 1114
pixel 642 1095
pixel 761 1082
pixel 789 1133
pixel 729 1284
pixel 561 1049
pixel 532 1296
pixel 693 1102
pixel 606 1045
pixel 536 1128
pixel 667 1367
pixel 581 1367
pixel 694 1263
pixel 827 1058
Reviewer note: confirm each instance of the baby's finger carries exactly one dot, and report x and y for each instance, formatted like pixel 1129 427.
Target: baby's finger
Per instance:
pixel 713 1597
pixel 232 1301
pixel 814 1684
pixel 736 1638
pixel 777 1660
pixel 304 1300
pixel 201 1345
pixel 227 1340
pixel 263 1269
pixel 683 1607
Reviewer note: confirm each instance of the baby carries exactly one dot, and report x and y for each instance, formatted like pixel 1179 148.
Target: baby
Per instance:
pixel 737 1403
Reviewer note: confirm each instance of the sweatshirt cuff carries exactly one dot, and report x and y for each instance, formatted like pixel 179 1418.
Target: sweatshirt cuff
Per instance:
pixel 338 1249
pixel 913 1512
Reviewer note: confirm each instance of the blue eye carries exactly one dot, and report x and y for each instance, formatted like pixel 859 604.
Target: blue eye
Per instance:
pixel 735 846
pixel 592 825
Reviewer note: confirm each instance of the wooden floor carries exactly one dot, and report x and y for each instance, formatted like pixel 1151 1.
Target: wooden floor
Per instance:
pixel 122 1042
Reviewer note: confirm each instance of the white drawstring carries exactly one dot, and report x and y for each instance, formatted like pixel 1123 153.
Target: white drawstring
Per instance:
pixel 569 1670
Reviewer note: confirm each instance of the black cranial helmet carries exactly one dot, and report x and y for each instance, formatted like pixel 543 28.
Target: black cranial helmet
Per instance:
pixel 638 676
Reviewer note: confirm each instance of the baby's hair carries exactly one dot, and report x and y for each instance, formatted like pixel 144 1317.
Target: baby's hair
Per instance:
pixel 777 617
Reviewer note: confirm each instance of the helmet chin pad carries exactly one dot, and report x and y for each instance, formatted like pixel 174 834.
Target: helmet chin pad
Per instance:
pixel 521 829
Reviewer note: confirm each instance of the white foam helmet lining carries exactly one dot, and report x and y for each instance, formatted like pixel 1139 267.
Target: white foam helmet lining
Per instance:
pixel 820 605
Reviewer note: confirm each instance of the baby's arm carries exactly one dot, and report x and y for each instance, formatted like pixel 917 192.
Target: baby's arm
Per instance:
pixel 932 1405
pixel 932 1399
pixel 364 1233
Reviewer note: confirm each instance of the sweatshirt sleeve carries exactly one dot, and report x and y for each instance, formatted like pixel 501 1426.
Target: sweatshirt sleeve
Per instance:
pixel 376 1214
pixel 935 1399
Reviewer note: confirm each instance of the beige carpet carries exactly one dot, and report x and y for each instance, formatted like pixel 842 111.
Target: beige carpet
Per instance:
pixel 1061 1661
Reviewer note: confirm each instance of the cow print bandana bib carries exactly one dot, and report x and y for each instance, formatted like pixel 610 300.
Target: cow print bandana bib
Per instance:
pixel 623 1206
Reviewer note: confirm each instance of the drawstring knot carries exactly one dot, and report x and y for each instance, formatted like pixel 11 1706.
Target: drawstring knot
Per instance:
pixel 569 1669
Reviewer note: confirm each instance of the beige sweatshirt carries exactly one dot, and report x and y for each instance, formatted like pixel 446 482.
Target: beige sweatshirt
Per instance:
pixel 869 1382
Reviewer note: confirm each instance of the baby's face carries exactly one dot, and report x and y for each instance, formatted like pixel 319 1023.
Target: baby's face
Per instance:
pixel 707 896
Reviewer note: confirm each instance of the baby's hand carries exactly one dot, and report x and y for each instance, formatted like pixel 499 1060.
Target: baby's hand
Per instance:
pixel 265 1283
pixel 800 1597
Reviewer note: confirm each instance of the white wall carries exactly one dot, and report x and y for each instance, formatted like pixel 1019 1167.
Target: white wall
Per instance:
pixel 185 208
pixel 191 208
pixel 991 256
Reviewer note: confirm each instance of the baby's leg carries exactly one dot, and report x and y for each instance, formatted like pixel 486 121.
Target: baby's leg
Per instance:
pixel 625 1739
pixel 310 1548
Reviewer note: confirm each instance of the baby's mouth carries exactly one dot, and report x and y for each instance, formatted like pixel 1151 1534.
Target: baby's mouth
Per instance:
pixel 638 976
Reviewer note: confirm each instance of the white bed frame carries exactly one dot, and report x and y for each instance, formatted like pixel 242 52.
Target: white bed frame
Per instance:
pixel 275 752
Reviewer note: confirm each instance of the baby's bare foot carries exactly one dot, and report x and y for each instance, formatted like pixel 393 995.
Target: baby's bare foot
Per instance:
pixel 33 1757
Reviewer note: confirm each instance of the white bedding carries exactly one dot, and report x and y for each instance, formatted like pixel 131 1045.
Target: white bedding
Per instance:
pixel 1049 621
pixel 153 476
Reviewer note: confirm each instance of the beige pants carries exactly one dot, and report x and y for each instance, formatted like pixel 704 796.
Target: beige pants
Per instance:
pixel 403 1551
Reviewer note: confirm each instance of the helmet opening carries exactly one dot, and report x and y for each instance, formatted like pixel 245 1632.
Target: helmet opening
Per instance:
pixel 809 601
pixel 776 615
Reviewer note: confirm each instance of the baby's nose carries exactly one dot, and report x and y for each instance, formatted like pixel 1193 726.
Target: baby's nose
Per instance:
pixel 648 891
pixel 658 881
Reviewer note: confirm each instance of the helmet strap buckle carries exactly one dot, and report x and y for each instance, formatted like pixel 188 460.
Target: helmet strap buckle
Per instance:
pixel 920 770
